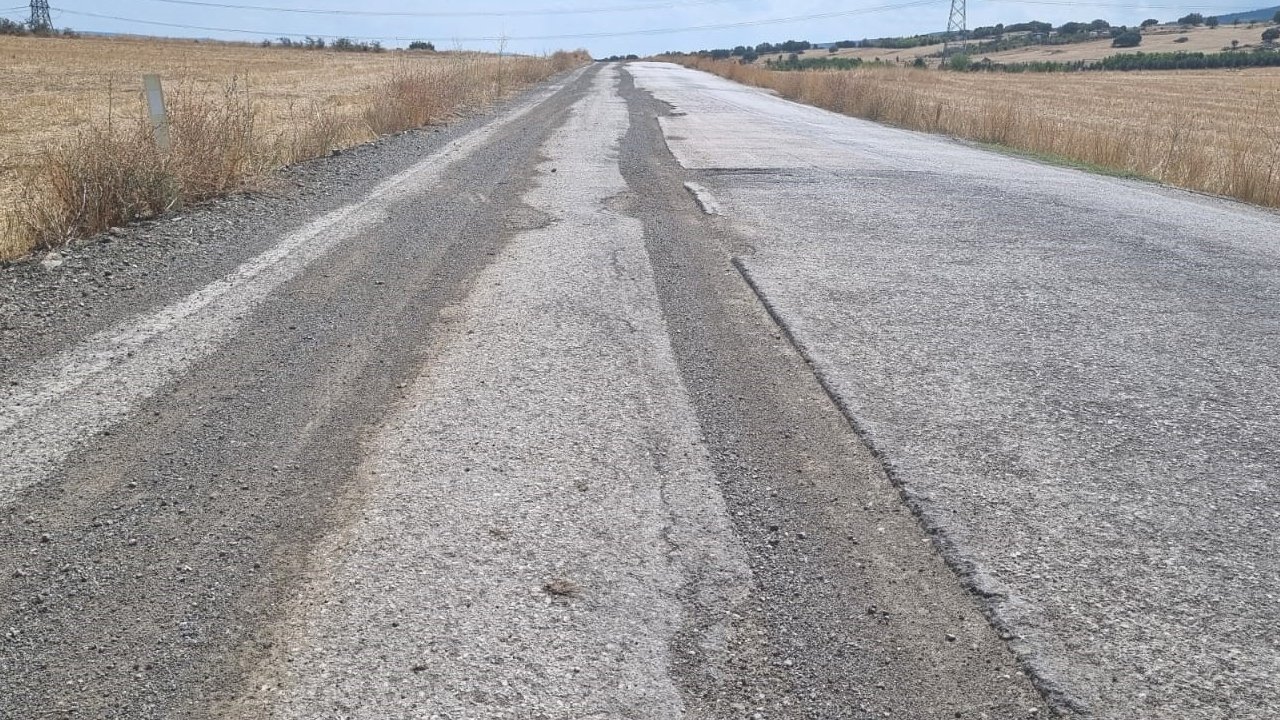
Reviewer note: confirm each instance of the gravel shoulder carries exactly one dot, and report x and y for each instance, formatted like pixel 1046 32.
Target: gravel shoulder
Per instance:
pixel 146 569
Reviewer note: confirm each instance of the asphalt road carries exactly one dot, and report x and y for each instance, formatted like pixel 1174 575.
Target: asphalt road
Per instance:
pixel 648 395
pixel 1072 377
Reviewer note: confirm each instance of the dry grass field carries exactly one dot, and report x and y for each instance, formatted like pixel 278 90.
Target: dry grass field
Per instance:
pixel 1215 131
pixel 76 157
pixel 1162 38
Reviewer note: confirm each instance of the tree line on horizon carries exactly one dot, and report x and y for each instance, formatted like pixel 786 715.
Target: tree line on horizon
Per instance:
pixel 994 38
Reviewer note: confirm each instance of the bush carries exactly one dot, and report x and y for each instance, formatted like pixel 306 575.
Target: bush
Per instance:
pixel 1276 18
pixel 1127 39
pixel 420 45
pixel 960 62
pixel 1150 22
pixel 9 27
pixel 1192 19
pixel 1270 35
pixel 1211 22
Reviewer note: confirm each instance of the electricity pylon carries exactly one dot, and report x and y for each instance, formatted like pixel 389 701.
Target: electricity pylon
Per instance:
pixel 40 19
pixel 956 30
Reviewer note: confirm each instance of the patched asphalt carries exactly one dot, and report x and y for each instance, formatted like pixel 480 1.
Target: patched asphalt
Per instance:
pixel 1072 377
pixel 648 395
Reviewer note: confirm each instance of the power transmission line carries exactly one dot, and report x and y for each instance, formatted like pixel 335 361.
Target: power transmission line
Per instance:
pixel 569 36
pixel 40 16
pixel 1145 6
pixel 451 14
pixel 957 29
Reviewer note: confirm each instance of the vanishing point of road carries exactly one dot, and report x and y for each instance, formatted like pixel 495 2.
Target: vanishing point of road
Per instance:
pixel 650 395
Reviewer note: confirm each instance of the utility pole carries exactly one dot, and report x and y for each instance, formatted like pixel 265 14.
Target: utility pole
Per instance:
pixel 40 20
pixel 957 31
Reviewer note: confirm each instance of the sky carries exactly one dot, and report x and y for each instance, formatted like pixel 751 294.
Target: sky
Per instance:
pixel 608 27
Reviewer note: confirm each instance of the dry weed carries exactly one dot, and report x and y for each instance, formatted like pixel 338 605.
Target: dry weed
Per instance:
pixel 109 171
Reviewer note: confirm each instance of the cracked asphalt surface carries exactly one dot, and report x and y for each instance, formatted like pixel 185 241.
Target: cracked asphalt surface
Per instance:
pixel 1072 377
pixel 648 395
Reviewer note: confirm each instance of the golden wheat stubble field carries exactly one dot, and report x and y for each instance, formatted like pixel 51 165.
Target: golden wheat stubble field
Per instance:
pixel 52 88
pixel 1215 131
pixel 72 109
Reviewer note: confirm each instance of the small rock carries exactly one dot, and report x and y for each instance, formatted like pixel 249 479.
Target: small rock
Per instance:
pixel 52 261
pixel 951 638
pixel 560 587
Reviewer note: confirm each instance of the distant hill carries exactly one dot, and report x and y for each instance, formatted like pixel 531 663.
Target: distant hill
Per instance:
pixel 1250 15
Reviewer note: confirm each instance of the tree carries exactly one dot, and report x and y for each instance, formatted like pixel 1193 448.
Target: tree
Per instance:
pixel 1276 18
pixel 420 45
pixel 1150 22
pixel 9 27
pixel 1072 28
pixel 1211 22
pixel 960 62
pixel 1192 19
pixel 1270 35
pixel 1127 39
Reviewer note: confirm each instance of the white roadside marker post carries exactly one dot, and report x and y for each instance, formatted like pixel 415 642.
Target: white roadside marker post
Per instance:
pixel 160 130
pixel 155 108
